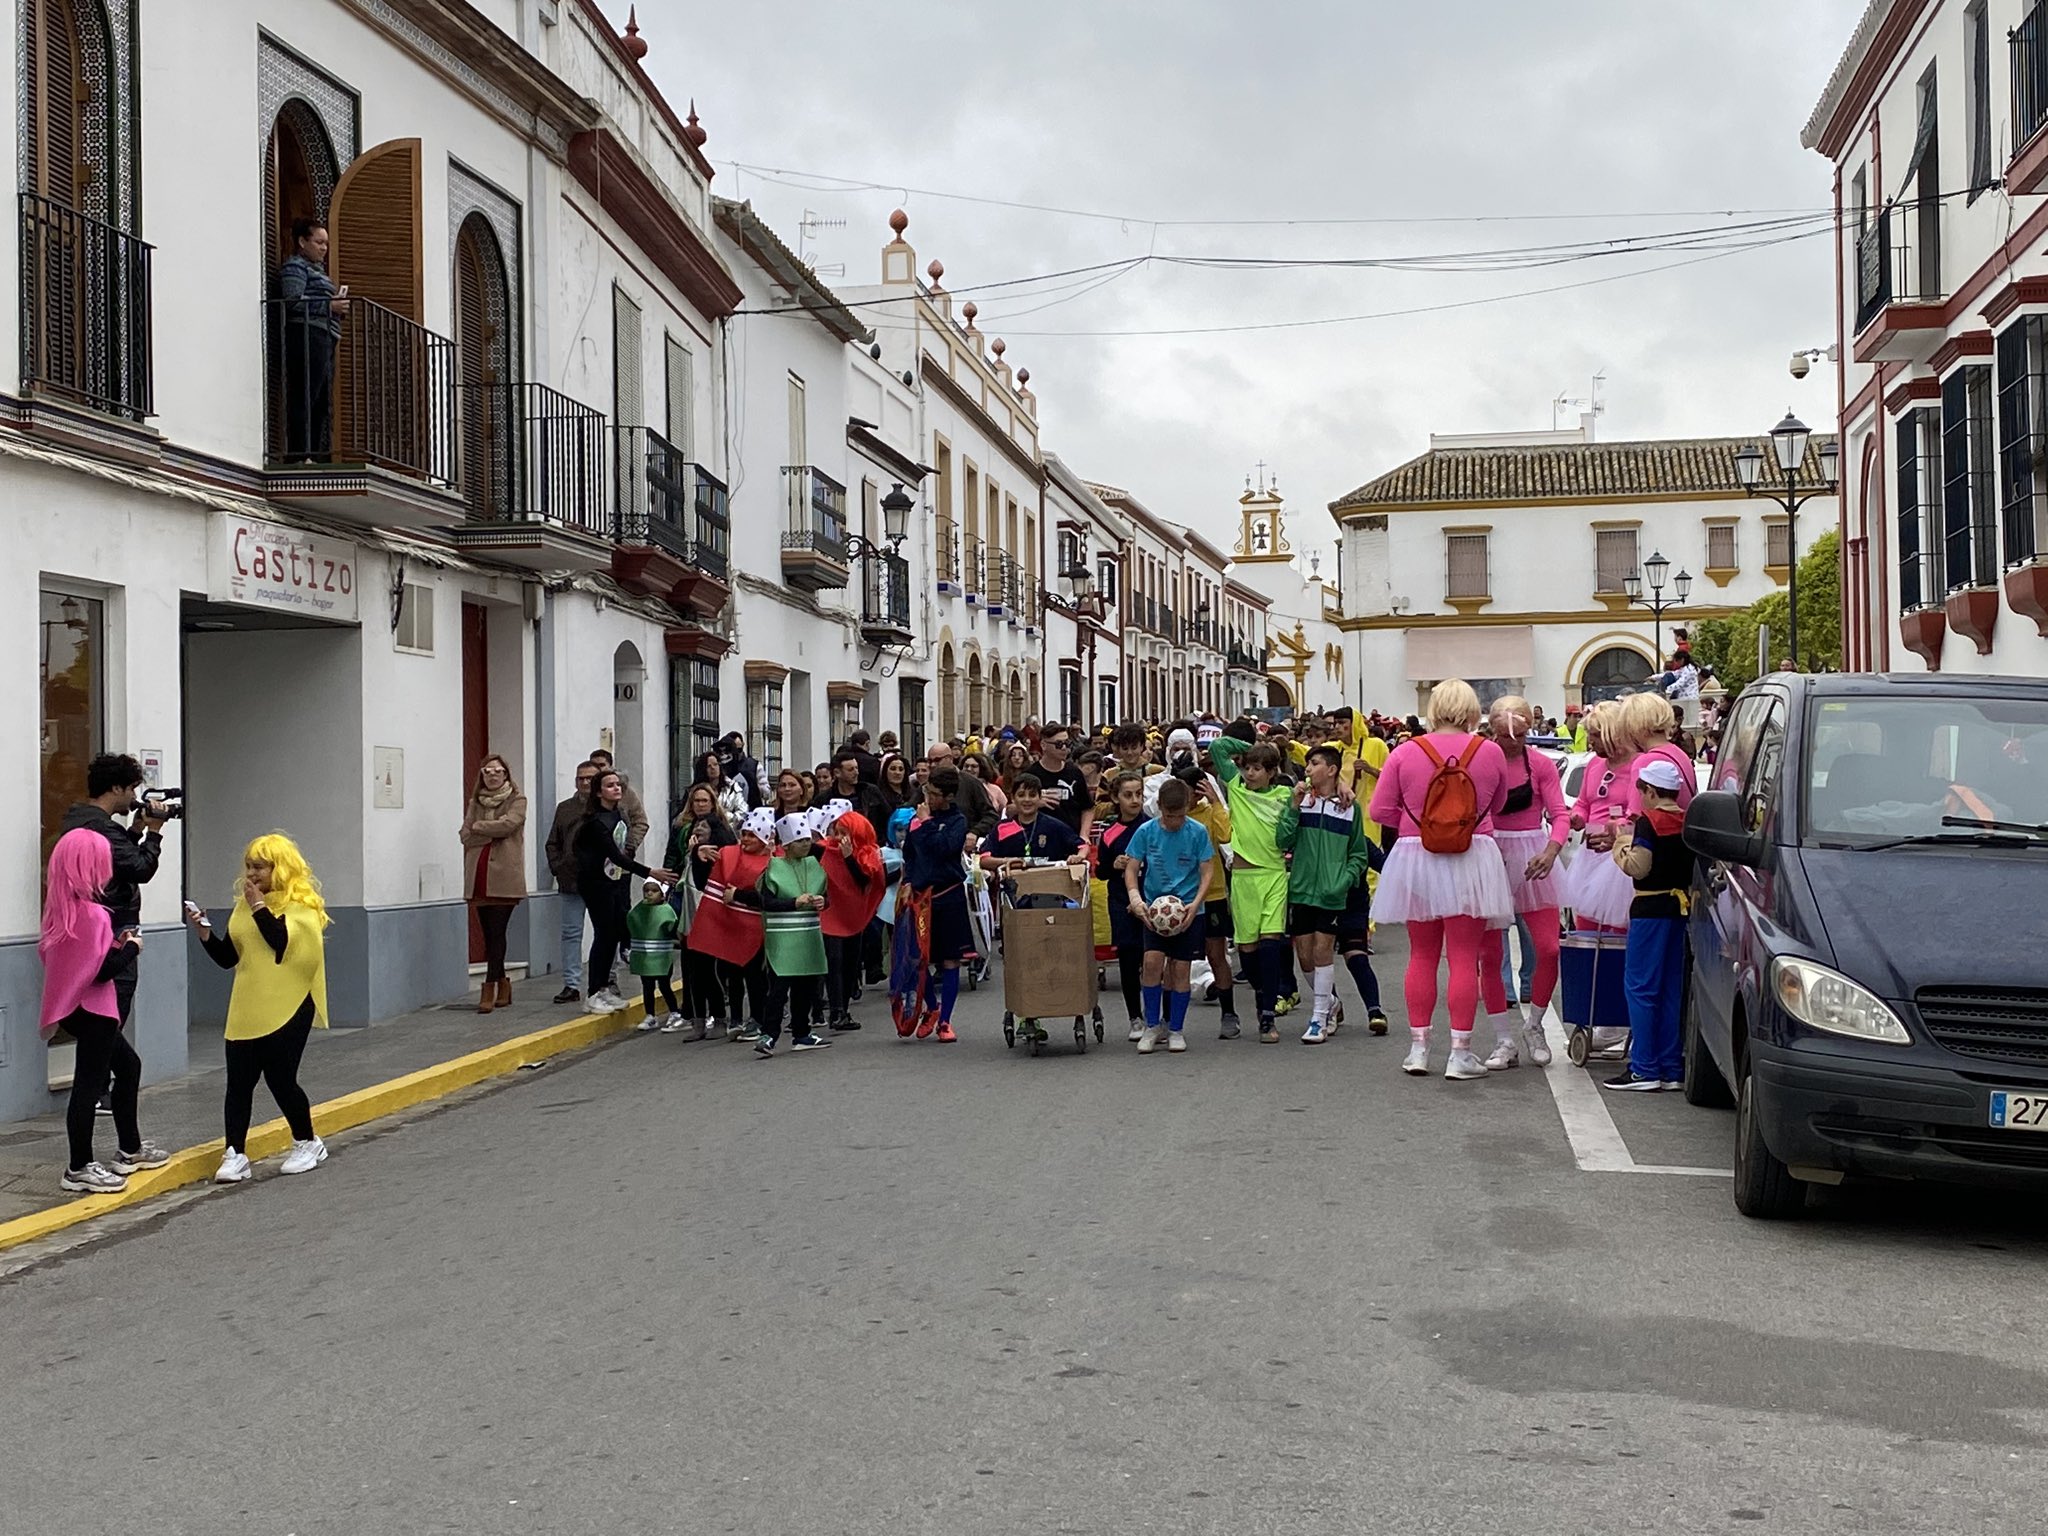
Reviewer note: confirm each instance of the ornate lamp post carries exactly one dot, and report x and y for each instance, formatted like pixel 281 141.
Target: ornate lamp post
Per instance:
pixel 1788 446
pixel 1656 568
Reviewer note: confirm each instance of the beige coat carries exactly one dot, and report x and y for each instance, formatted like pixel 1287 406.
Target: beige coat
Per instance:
pixel 505 835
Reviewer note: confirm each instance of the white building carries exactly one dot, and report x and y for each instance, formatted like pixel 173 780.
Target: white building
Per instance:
pixel 1246 647
pixel 1154 647
pixel 977 430
pixel 1304 663
pixel 508 533
pixel 821 434
pixel 1084 630
pixel 1936 119
pixel 1503 559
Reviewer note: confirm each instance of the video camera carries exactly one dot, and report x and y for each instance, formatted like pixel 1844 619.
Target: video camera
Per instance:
pixel 161 804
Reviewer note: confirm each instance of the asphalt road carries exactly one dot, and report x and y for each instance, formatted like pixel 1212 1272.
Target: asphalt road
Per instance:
pixel 901 1287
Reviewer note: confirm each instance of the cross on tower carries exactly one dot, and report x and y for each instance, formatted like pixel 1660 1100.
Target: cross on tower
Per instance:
pixel 1261 468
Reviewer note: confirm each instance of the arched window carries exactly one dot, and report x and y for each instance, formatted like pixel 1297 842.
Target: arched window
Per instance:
pixel 977 695
pixel 1611 673
pixel 485 369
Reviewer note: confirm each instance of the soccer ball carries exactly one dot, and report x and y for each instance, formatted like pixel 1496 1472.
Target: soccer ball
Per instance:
pixel 1169 914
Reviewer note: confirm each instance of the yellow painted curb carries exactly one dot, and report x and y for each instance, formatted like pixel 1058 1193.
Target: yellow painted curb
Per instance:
pixel 196 1164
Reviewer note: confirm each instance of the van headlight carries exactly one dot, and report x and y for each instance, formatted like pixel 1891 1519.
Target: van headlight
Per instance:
pixel 1825 999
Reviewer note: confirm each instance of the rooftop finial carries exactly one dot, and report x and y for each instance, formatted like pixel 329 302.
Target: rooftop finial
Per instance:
pixel 636 45
pixel 693 130
pixel 999 346
pixel 935 271
pixel 899 221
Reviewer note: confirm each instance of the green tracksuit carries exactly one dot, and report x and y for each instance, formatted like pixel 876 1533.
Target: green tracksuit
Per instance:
pixel 1258 878
pixel 1328 844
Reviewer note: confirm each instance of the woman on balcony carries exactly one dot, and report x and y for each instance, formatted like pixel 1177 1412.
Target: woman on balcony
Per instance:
pixel 494 832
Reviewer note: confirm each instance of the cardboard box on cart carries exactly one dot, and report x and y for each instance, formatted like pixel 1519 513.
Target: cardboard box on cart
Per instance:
pixel 1049 952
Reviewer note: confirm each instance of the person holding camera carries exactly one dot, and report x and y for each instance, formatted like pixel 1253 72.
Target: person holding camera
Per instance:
pixel 113 787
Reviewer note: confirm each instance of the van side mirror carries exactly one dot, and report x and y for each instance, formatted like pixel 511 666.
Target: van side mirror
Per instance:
pixel 1715 828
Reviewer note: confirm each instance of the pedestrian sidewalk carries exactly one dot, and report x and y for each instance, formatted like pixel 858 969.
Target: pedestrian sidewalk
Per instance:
pixel 352 1076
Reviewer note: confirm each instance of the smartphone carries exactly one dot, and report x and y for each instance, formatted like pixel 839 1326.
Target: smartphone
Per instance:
pixel 193 909
pixel 341 292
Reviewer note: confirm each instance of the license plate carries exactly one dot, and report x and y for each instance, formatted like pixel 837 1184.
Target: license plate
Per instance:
pixel 2019 1111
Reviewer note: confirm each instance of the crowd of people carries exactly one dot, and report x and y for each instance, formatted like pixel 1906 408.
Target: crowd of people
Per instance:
pixel 1273 849
pixel 1247 855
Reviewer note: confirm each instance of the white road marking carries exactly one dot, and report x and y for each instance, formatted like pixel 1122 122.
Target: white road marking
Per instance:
pixel 1596 1144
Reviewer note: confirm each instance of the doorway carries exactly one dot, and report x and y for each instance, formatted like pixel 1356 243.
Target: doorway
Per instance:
pixel 629 676
pixel 476 737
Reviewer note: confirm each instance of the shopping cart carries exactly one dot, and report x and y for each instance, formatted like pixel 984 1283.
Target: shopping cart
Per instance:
pixel 1592 989
pixel 1048 939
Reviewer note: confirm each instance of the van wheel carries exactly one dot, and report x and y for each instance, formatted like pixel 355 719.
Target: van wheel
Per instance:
pixel 1764 1187
pixel 1704 1084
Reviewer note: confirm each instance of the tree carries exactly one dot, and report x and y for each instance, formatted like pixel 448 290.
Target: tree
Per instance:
pixel 1729 645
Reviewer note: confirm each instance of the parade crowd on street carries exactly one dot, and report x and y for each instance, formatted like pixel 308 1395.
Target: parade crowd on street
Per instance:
pixel 1245 858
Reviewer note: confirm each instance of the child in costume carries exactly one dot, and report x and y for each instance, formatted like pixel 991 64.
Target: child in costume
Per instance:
pixel 731 932
pixel 854 886
pixel 934 900
pixel 791 895
pixel 651 929
pixel 1258 876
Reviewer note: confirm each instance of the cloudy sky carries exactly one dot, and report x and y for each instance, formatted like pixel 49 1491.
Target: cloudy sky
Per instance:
pixel 1443 130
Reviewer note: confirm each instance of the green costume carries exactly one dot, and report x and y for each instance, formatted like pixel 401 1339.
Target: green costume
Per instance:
pixel 651 932
pixel 794 940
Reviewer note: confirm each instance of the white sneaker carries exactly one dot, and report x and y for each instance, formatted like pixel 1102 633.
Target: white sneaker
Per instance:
pixel 234 1168
pixel 304 1156
pixel 93 1179
pixel 648 1024
pixel 674 1024
pixel 1176 1040
pixel 1314 1034
pixel 1148 1039
pixel 601 1002
pixel 1463 1066
pixel 1505 1054
pixel 1416 1063
pixel 1533 1037
pixel 1137 1029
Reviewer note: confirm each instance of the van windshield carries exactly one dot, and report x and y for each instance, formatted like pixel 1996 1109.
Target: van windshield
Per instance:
pixel 1883 768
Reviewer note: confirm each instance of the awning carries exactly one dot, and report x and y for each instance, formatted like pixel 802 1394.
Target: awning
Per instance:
pixel 1492 651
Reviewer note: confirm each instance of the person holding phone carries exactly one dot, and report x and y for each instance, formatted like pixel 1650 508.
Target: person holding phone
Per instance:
pixel 83 957
pixel 276 946
pixel 312 310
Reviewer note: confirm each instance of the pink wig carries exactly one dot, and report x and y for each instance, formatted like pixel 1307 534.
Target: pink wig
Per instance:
pixel 80 866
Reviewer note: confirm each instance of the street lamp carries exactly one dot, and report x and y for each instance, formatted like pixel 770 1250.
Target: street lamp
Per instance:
pixel 1656 568
pixel 1789 440
pixel 1086 603
pixel 895 523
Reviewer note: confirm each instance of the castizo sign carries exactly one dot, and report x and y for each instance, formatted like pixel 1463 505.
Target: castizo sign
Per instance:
pixel 262 564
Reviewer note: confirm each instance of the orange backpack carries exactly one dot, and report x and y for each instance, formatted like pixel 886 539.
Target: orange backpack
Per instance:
pixel 1450 806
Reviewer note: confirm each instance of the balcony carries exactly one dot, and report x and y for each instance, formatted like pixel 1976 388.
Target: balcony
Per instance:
pixel 1002 592
pixel 85 312
pixel 814 537
pixel 1899 297
pixel 361 419
pixel 973 569
pixel 946 555
pixel 2028 169
pixel 673 526
pixel 885 601
pixel 533 474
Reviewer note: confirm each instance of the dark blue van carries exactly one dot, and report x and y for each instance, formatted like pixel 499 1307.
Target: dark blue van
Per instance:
pixel 1869 927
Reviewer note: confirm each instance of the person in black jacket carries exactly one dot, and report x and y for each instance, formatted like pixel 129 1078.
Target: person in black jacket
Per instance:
pixel 604 876
pixel 733 759
pixel 113 786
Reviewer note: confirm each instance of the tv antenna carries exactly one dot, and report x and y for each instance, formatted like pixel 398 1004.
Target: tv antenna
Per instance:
pixel 807 229
pixel 1591 406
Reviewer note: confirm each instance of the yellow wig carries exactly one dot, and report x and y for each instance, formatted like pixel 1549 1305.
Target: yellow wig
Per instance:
pixel 291 878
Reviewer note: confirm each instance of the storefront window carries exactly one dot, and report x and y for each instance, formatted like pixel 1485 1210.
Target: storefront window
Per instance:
pixel 74 723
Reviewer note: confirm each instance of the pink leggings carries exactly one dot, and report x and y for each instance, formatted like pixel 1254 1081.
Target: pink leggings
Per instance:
pixel 1427 944
pixel 1543 933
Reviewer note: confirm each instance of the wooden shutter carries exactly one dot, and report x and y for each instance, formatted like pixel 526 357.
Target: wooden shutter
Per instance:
pixel 380 367
pixel 628 380
pixel 374 229
pixel 58 97
pixel 682 397
pixel 476 373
